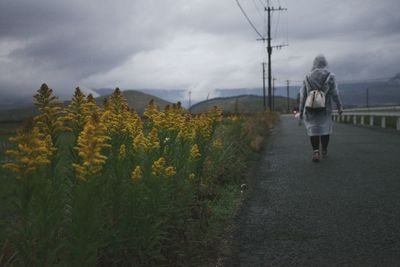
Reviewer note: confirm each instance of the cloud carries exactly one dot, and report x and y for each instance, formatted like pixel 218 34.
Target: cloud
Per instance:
pixel 200 62
pixel 197 45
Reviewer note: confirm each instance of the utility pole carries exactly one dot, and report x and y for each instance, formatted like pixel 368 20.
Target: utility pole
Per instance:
pixel 273 93
pixel 267 10
pixel 190 100
pixel 263 70
pixel 287 95
pixel 367 93
pixel 269 49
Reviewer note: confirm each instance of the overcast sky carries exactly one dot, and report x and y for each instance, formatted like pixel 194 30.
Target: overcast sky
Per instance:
pixel 197 45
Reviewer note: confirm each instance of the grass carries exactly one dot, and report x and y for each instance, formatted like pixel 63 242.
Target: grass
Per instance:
pixel 117 189
pixel 8 128
pixel 201 249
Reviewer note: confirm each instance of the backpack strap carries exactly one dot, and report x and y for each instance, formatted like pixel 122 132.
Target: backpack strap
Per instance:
pixel 323 85
pixel 326 82
pixel 309 84
pixel 327 78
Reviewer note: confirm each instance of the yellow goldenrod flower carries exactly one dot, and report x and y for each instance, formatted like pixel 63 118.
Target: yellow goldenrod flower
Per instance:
pixel 91 141
pixel 90 107
pixel 158 119
pixel 134 124
pixel 215 114
pixel 122 152
pixel 217 143
pixel 140 141
pixel 204 125
pixel 119 114
pixel 192 176
pixel 158 166
pixel 233 118
pixel 77 114
pixel 153 142
pixel 170 171
pixel 187 133
pixel 50 120
pixel 194 151
pixel 32 150
pixel 118 102
pixel 106 104
pixel 174 118
pixel 151 110
pixel 187 128
pixel 137 174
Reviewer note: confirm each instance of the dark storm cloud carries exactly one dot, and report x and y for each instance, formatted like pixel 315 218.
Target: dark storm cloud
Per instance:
pixel 346 19
pixel 27 19
pixel 197 44
pixel 78 38
pixel 72 35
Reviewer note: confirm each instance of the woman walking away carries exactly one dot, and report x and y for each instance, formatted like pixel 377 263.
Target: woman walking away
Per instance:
pixel 316 95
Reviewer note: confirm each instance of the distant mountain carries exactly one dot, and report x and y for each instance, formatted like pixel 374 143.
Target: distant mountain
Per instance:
pixel 17 114
pixel 279 91
pixel 138 100
pixel 241 104
pixel 380 93
pixel 170 95
pixel 8 101
pixel 395 79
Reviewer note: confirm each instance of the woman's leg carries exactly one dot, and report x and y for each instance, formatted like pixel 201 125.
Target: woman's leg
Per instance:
pixel 315 142
pixel 325 142
pixel 315 145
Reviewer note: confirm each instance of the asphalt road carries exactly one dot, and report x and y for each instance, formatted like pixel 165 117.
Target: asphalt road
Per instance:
pixel 343 211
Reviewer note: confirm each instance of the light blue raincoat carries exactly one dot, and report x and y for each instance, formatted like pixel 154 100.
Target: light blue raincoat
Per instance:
pixel 319 123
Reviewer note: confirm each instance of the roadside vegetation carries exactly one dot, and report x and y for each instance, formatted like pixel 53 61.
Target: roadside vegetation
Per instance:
pixel 90 185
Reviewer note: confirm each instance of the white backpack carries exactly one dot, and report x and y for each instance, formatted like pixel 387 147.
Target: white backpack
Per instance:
pixel 316 100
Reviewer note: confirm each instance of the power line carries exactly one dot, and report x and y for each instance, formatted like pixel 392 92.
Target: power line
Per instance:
pixel 269 50
pixel 277 25
pixel 287 28
pixel 267 24
pixel 248 19
pixel 257 8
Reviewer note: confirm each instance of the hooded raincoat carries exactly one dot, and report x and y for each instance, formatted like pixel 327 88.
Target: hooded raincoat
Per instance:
pixel 319 123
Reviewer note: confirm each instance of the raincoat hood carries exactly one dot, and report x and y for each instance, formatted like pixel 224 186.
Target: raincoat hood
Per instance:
pixel 320 62
pixel 319 72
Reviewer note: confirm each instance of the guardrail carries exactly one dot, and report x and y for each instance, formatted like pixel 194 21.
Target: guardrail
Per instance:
pixel 367 116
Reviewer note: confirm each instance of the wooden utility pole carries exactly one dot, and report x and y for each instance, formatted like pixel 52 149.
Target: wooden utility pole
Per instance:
pixel 263 70
pixel 273 93
pixel 287 95
pixel 267 10
pixel 269 49
pixel 190 100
